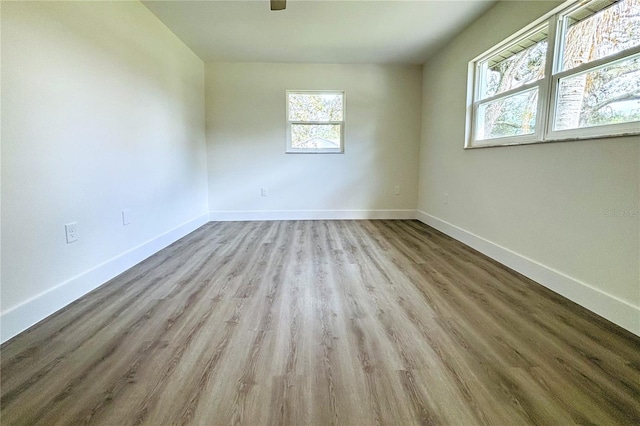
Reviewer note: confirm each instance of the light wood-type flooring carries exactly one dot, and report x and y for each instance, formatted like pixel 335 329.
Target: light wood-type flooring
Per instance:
pixel 321 322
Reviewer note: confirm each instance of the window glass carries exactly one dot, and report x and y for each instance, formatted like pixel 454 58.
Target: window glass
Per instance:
pixel 606 95
pixel 315 136
pixel 315 107
pixel 521 63
pixel 510 116
pixel 591 33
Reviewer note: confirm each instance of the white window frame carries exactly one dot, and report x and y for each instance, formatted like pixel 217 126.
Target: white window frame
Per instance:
pixel 547 87
pixel 339 150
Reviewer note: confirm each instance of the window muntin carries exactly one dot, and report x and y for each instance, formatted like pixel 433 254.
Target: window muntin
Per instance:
pixel 524 92
pixel 315 121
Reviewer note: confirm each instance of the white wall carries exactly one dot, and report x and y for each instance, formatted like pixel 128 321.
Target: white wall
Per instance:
pixel 102 110
pixel 543 207
pixel 246 142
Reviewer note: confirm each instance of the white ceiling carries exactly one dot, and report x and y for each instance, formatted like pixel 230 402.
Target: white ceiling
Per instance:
pixel 338 31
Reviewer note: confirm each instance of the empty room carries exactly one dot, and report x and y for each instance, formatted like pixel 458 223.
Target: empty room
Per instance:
pixel 305 212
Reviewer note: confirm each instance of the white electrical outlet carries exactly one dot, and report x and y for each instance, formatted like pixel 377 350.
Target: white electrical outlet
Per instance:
pixel 396 190
pixel 71 230
pixel 445 198
pixel 264 192
pixel 126 217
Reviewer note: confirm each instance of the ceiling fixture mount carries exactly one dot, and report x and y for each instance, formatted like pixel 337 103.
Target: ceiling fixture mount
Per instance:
pixel 278 4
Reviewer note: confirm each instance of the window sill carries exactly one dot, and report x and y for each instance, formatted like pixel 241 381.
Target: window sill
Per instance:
pixel 301 151
pixel 574 138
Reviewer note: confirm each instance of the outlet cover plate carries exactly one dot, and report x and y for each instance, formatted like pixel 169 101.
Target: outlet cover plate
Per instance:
pixel 126 217
pixel 71 230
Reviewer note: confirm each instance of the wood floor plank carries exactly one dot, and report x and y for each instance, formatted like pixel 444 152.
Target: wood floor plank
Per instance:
pixel 319 323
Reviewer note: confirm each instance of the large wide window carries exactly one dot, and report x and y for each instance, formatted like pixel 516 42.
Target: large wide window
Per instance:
pixel 315 122
pixel 571 75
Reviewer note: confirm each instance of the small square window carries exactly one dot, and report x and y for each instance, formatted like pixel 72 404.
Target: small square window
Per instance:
pixel 315 121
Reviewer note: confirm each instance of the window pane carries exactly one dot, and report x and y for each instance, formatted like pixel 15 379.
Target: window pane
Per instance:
pixel 515 66
pixel 589 35
pixel 315 107
pixel 510 116
pixel 606 95
pixel 315 136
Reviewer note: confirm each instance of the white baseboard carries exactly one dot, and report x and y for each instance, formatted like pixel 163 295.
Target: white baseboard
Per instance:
pixel 221 216
pixel 20 317
pixel 28 313
pixel 610 307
